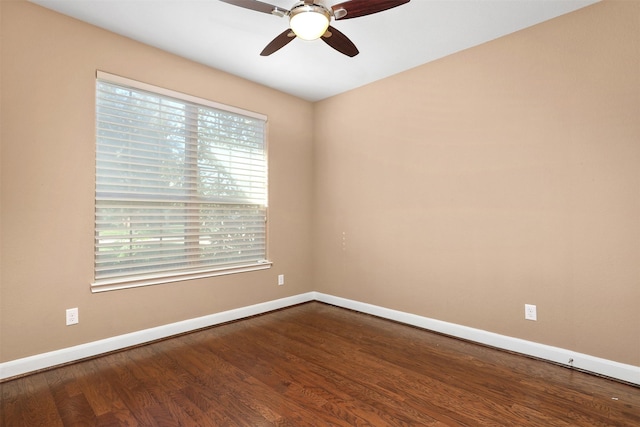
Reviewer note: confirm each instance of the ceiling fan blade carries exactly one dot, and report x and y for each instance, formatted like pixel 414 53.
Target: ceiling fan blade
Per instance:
pixel 279 42
pixel 357 8
pixel 340 42
pixel 257 5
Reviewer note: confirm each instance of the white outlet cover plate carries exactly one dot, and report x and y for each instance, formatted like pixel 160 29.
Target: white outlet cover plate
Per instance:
pixel 72 316
pixel 530 312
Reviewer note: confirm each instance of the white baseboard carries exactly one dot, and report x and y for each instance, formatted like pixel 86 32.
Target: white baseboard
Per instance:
pixel 66 355
pixel 584 362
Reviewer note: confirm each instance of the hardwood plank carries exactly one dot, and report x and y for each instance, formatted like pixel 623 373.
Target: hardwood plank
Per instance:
pixel 12 403
pixel 69 399
pixel 29 403
pixel 315 365
pixel 101 396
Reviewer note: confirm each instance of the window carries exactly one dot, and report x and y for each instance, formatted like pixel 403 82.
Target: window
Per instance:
pixel 181 187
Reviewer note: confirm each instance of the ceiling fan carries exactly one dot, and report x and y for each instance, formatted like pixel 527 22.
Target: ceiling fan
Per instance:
pixel 309 20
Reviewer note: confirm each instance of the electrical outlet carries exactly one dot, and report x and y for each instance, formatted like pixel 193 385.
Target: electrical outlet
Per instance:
pixel 530 312
pixel 280 279
pixel 72 316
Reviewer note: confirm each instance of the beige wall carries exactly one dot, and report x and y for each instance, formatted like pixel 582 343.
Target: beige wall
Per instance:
pixel 460 190
pixel 48 78
pixel 503 175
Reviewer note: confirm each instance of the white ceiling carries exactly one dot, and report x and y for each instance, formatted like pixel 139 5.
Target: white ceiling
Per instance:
pixel 231 38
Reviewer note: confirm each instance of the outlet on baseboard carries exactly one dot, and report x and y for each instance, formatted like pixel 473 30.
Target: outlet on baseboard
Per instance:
pixel 72 316
pixel 530 312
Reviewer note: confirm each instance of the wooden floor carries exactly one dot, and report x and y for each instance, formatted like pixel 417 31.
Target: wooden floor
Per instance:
pixel 316 365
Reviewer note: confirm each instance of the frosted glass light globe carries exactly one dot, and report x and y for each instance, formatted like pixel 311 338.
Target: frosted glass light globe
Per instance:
pixel 309 22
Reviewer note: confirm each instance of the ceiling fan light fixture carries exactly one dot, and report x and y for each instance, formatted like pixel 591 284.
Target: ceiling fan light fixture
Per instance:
pixel 309 22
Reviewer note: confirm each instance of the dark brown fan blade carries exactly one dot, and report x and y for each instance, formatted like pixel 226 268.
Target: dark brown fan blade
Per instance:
pixel 255 5
pixel 340 42
pixel 279 42
pixel 357 8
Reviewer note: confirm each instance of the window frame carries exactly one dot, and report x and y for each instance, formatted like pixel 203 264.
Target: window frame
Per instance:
pixel 155 278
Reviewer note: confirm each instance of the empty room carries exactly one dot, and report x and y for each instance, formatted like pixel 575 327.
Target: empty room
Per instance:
pixel 428 215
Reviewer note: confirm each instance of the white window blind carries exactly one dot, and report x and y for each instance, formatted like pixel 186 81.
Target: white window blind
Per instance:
pixel 181 187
